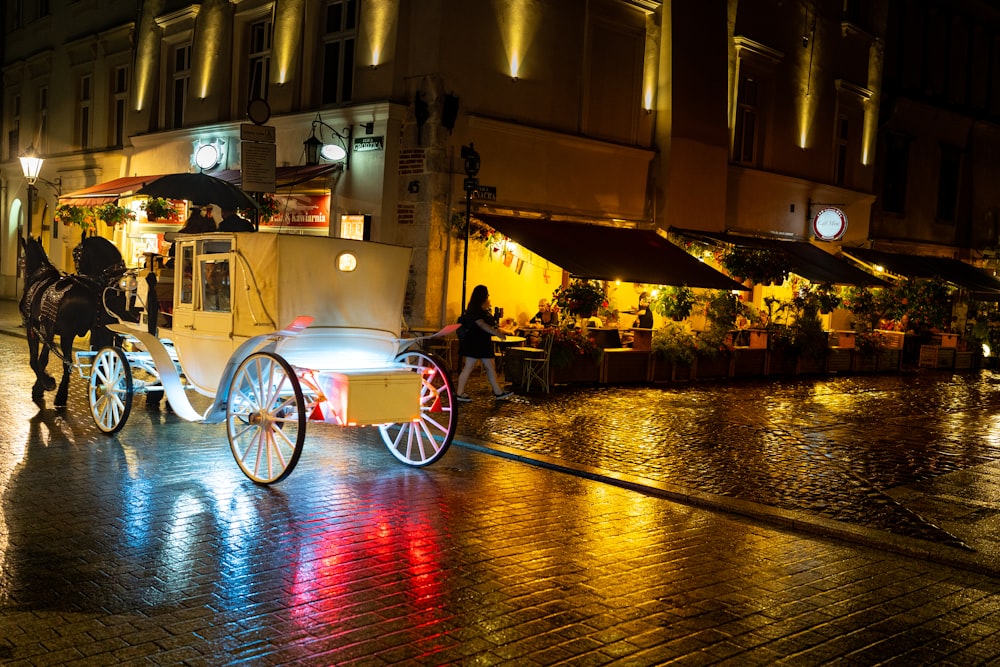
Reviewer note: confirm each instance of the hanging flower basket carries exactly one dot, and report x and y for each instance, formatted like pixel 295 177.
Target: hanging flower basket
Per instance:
pixel 158 209
pixel 114 215
pixel 580 297
pixel 79 216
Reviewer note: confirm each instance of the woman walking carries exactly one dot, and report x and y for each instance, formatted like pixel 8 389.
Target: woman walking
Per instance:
pixel 476 343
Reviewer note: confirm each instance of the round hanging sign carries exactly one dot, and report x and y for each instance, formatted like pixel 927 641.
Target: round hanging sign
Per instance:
pixel 829 224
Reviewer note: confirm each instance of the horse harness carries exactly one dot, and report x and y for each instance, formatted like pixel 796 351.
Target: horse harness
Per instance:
pixel 46 292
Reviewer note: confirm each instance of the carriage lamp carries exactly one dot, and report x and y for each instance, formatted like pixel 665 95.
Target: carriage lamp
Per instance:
pixel 316 148
pixel 31 165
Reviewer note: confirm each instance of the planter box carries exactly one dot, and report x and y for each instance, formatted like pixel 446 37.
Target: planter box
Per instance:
pixel 935 356
pixel 842 339
pixel 781 362
pixel 894 339
pixel 581 369
pixel 719 366
pixel 754 339
pixel 642 339
pixel 868 363
pixel 622 365
pixel 749 362
pixel 839 360
pixel 945 340
pixel 810 365
pixel 889 361
pixel 661 370
pixel 965 361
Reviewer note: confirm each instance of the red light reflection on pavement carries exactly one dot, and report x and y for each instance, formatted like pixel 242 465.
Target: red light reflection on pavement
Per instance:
pixel 378 559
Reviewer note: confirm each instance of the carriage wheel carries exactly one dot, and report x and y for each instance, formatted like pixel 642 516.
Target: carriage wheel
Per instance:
pixel 266 418
pixel 426 439
pixel 110 390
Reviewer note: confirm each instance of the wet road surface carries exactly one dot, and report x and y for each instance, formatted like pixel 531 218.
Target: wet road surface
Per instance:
pixel 150 547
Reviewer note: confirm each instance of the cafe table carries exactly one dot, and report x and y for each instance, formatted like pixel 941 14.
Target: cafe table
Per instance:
pixel 501 346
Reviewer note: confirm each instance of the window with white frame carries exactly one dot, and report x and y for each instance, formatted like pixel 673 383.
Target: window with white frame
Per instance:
pixel 339 39
pixel 180 79
pixel 750 99
pixel 83 111
pixel 119 100
pixel 259 58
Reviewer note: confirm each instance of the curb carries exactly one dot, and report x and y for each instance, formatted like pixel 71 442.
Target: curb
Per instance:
pixel 794 519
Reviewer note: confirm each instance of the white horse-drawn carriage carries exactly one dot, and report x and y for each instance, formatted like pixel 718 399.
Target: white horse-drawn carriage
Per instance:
pixel 339 359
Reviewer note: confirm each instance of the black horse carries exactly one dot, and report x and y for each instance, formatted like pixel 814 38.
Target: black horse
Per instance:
pixel 68 306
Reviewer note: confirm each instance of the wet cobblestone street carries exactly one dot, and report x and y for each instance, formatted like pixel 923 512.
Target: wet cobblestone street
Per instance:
pixel 834 447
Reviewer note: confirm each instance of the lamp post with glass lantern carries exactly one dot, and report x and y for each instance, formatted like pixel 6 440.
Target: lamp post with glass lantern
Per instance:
pixel 31 165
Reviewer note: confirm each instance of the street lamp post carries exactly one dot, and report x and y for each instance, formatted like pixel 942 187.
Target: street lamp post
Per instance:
pixel 31 165
pixel 472 164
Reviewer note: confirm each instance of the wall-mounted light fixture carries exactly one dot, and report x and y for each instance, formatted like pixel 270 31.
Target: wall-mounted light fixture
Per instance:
pixel 316 148
pixel 208 154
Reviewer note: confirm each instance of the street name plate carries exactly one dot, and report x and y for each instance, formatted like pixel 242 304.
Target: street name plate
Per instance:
pixel 485 192
pixel 250 132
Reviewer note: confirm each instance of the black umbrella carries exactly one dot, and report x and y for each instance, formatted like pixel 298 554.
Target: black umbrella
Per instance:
pixel 200 189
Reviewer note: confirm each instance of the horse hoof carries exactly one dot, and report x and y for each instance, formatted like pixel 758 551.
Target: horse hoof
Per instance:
pixel 38 398
pixel 50 383
pixel 60 403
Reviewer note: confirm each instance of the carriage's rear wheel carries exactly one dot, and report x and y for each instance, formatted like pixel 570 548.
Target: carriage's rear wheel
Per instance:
pixel 425 440
pixel 110 390
pixel 266 418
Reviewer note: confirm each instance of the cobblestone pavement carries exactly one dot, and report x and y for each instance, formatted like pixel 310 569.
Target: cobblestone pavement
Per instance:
pixel 913 454
pixel 150 547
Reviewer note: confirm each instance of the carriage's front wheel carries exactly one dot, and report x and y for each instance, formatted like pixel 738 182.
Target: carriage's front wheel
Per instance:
pixel 266 418
pixel 426 439
pixel 110 390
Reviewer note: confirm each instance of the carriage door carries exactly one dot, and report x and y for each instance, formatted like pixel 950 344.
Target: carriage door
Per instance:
pixel 203 326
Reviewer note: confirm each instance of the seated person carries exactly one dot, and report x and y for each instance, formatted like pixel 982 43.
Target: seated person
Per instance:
pixel 546 316
pixel 592 322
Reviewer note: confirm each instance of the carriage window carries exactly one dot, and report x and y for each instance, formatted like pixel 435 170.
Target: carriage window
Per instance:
pixel 187 274
pixel 215 285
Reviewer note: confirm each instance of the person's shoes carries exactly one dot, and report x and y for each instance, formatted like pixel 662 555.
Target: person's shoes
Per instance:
pixel 504 396
pixel 464 398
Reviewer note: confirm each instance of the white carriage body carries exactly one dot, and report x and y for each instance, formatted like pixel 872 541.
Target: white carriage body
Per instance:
pixel 231 287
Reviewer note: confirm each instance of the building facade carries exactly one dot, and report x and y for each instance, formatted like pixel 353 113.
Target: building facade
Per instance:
pixel 746 115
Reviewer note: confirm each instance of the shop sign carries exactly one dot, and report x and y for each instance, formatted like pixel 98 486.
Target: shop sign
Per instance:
pixel 829 224
pixel 301 212
pixel 366 144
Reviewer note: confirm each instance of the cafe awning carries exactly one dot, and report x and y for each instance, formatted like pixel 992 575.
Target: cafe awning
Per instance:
pixel 953 271
pixel 804 259
pixel 610 253
pixel 107 192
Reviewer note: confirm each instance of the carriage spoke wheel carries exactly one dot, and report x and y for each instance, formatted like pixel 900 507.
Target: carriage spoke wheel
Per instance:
pixel 110 390
pixel 265 418
pixel 426 439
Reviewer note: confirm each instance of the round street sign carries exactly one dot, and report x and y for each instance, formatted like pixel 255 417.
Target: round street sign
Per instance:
pixel 829 224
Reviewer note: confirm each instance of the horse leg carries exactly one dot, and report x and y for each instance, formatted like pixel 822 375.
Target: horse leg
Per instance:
pixel 38 359
pixel 66 347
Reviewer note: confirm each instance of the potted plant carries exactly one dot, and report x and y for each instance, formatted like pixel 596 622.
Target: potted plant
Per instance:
pixel 80 216
pixel 268 208
pixel 114 215
pixel 580 298
pixel 762 266
pixel 158 208
pixel 674 347
pixel 674 302
pixel 574 357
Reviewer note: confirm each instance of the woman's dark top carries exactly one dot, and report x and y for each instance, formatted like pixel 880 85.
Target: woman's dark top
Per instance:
pixel 539 318
pixel 477 344
pixel 645 319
